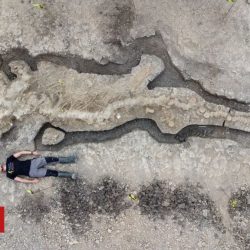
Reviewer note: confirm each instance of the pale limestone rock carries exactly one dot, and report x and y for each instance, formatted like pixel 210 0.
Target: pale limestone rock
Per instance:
pixel 149 110
pixel 52 136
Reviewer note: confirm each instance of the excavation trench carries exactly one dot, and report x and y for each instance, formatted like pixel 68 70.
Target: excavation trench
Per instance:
pixel 154 45
pixel 203 131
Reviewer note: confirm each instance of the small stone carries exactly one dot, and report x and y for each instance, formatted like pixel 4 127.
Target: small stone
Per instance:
pixel 118 116
pixel 201 244
pixel 202 110
pixel 248 200
pixel 182 205
pixel 90 122
pixel 166 203
pixel 52 136
pixel 171 124
pixel 109 231
pixel 73 242
pixel 206 115
pixel 104 61
pixel 192 100
pixel 205 212
pixel 49 222
pixel 149 110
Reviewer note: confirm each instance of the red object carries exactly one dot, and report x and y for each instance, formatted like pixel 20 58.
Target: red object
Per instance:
pixel 1 219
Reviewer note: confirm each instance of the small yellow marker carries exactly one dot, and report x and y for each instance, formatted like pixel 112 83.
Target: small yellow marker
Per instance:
pixel 133 197
pixel 39 6
pixel 60 81
pixel 29 191
pixel 231 1
pixel 234 203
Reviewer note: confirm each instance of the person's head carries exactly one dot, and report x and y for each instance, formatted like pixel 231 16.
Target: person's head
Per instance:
pixel 3 167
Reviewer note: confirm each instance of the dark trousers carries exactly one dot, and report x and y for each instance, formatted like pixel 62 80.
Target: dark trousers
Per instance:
pixel 51 172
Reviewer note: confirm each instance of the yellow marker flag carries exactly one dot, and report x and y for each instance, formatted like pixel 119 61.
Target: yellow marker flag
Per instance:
pixel 29 191
pixel 133 197
pixel 60 81
pixel 234 203
pixel 38 5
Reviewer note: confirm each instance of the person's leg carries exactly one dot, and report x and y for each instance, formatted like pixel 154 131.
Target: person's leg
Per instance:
pixel 51 160
pixel 55 173
pixel 51 172
pixel 67 159
pixel 63 159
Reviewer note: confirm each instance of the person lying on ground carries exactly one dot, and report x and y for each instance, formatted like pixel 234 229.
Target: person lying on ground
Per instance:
pixel 34 168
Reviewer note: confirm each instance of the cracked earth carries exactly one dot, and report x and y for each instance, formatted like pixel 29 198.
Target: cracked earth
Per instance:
pixel 155 103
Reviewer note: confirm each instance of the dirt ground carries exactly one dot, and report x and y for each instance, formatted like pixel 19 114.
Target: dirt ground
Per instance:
pixel 190 196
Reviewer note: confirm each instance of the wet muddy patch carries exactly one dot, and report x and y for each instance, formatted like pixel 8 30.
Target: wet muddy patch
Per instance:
pixel 108 197
pixel 76 204
pixel 80 199
pixel 239 211
pixel 239 202
pixel 185 202
pixel 153 200
pixel 33 208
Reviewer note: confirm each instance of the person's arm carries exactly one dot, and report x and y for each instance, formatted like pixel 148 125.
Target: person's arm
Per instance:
pixel 19 179
pixel 18 154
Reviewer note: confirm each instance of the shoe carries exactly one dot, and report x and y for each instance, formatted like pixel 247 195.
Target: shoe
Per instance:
pixel 74 176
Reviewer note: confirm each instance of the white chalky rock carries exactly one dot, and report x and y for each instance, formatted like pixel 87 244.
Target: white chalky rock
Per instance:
pixel 52 136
